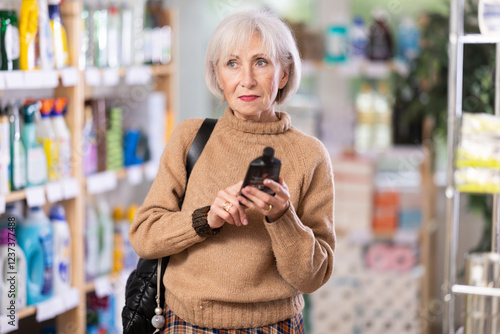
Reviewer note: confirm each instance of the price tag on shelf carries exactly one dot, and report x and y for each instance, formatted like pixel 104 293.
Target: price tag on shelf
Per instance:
pixel 50 308
pixel 134 175
pixel 150 170
pixel 54 191
pixel 2 204
pixel 14 79
pixel 93 76
pixel 101 182
pixel 33 79
pixel 35 196
pixel 103 286
pixel 377 70
pixel 71 298
pixel 71 188
pixel 70 76
pixel 110 76
pixel 8 324
pixel 138 75
pixel 2 81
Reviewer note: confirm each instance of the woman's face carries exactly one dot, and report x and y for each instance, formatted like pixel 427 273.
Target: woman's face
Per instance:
pixel 250 81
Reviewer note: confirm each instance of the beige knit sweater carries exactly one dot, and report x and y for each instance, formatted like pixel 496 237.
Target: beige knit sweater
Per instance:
pixel 247 276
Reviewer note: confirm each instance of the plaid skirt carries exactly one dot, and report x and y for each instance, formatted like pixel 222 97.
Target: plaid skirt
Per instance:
pixel 175 325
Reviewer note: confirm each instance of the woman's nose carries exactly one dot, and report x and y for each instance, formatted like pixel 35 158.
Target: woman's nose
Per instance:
pixel 247 77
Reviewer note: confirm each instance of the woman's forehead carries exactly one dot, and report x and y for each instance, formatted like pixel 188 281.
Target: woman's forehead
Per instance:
pixel 243 44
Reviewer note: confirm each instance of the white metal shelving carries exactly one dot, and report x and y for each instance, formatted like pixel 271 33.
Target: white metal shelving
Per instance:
pixel 457 41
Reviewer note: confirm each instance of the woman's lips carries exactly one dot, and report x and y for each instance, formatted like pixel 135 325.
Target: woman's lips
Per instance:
pixel 248 98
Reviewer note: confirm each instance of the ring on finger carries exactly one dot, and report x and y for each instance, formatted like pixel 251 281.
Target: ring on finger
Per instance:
pixel 227 206
pixel 268 209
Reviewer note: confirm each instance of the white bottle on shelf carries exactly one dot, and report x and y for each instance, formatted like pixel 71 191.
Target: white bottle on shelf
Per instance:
pixel 91 243
pixel 62 250
pixel 62 137
pixel 4 151
pixel 106 236
pixel 489 17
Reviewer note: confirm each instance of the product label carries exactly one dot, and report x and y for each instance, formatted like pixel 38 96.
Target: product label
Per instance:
pixel 336 45
pixel 63 265
pixel 37 166
pixel 12 45
pixel 491 17
pixel 48 259
pixel 64 165
pixel 51 152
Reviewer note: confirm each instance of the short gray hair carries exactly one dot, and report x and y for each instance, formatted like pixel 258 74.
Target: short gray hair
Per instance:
pixel 277 40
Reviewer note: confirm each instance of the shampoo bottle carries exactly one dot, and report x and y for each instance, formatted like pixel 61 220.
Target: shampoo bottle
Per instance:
pixel 62 250
pixel 45 41
pixel 61 53
pixel 89 143
pixel 4 151
pixel 36 161
pixel 47 138
pixel 17 151
pixel 28 27
pixel 9 39
pixel 264 167
pixel 63 137
pixel 35 237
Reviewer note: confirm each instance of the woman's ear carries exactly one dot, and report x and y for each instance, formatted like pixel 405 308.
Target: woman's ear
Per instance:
pixel 284 78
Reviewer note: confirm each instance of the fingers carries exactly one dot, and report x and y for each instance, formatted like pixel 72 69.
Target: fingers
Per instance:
pixel 227 207
pixel 266 204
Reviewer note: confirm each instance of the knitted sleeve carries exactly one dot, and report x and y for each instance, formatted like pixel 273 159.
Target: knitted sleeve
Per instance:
pixel 303 239
pixel 159 227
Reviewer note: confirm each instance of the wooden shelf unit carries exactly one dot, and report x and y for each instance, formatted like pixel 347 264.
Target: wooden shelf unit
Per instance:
pixel 74 320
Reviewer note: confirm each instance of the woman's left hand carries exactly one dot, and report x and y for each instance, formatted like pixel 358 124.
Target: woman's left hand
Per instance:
pixel 271 206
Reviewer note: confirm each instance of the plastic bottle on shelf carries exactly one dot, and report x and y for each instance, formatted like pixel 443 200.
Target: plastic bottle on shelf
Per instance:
pixel 28 28
pixel 89 143
pixel 61 52
pixel 4 151
pixel 336 42
pixel 382 132
pixel 11 217
pixel 119 249
pixel 36 161
pixel 63 137
pixel 62 250
pixel 9 38
pixel 45 40
pixel 46 136
pixel 148 34
pixel 126 19
pixel 86 58
pixel 131 256
pixel 113 35
pixel 101 35
pixel 408 39
pixel 100 119
pixel 138 32
pixel 106 236
pixel 114 139
pixel 14 285
pixel 364 104
pixel 35 237
pixel 380 44
pixel 489 17
pixel 17 151
pixel 359 39
pixel 91 242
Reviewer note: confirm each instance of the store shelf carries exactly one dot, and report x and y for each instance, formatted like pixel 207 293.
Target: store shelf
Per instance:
pixel 106 280
pixel 479 39
pixel 38 79
pixel 26 312
pixel 475 290
pixel 15 196
pixel 370 69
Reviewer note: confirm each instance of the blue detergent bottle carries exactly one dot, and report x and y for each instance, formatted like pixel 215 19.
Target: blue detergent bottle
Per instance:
pixel 35 237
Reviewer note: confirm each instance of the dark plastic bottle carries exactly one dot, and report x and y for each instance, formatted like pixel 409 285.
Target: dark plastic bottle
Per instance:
pixel 380 43
pixel 264 167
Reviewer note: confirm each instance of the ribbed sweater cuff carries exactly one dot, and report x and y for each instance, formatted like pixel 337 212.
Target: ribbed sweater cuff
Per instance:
pixel 286 230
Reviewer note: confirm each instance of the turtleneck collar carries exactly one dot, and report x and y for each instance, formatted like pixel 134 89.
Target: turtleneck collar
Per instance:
pixel 263 128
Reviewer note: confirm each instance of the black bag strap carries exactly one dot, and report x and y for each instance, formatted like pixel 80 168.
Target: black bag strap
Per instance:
pixel 199 143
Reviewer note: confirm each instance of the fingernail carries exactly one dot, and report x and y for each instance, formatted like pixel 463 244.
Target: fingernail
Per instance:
pixel 245 222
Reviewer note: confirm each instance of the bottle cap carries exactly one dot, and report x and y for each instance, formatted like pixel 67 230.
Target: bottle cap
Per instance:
pixel 131 212
pixel 47 107
pixel 268 154
pixel 57 213
pixel 29 110
pixel 118 213
pixel 60 106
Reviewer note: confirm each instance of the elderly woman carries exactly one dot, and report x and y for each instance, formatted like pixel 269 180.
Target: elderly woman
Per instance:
pixel 269 250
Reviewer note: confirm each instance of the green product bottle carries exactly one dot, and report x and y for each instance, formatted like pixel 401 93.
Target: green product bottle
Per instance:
pixel 9 40
pixel 36 161
pixel 17 151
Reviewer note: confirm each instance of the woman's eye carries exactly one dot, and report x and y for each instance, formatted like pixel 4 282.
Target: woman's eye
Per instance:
pixel 231 64
pixel 261 62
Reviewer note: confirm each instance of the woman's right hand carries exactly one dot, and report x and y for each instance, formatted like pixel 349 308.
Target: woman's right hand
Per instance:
pixel 227 209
